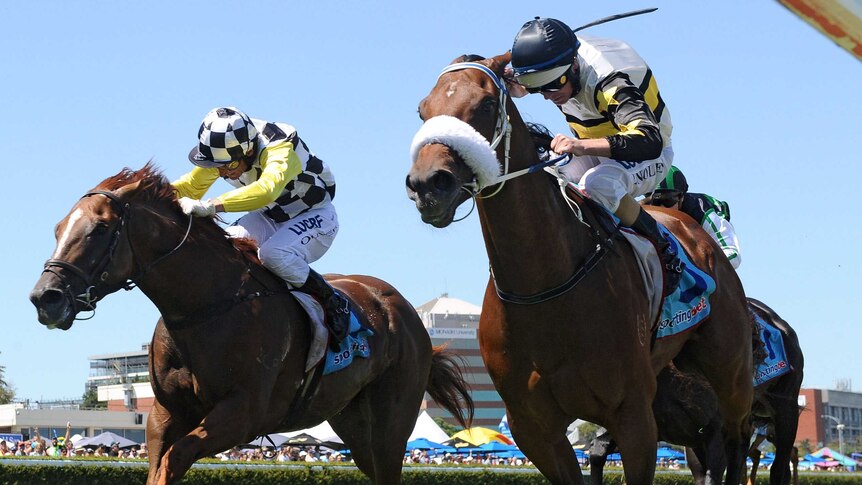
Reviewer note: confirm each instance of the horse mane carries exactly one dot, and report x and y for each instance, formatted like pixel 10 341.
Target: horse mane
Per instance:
pixel 541 136
pixel 468 58
pixel 155 187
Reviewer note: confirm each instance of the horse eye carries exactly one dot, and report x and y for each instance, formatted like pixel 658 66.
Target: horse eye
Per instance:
pixel 101 228
pixel 488 104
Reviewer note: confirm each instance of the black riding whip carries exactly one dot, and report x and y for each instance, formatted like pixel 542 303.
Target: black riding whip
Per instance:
pixel 616 17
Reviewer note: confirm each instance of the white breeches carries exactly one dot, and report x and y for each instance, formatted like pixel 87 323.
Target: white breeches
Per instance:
pixel 287 248
pixel 607 181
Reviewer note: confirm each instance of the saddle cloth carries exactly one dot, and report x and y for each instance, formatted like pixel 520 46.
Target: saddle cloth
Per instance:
pixel 775 363
pixel 354 345
pixel 688 305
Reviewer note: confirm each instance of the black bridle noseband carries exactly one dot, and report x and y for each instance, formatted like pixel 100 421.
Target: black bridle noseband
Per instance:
pixel 100 273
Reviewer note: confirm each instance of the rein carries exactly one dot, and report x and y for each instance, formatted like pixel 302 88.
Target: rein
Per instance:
pixel 89 298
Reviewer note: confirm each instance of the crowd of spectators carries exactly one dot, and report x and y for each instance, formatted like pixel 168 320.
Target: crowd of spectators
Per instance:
pixel 63 446
pixel 490 459
pixel 282 454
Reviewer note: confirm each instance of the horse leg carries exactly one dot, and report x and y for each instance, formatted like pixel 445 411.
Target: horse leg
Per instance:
pixel 754 454
pixel 163 430
pixel 225 426
pixel 634 429
pixel 695 464
pixel 794 461
pixel 786 420
pixel 555 460
pixel 602 446
pixel 353 425
pixel 377 423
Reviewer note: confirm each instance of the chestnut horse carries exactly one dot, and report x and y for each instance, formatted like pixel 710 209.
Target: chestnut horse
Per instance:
pixel 581 348
pixel 228 356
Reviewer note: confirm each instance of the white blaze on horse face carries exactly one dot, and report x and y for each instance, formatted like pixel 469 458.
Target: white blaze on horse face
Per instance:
pixel 451 89
pixel 61 243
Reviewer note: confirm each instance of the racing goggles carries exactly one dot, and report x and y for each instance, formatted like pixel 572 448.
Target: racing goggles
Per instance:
pixel 555 85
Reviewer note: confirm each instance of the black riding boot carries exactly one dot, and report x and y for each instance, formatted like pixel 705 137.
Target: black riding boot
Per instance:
pixel 646 226
pixel 336 307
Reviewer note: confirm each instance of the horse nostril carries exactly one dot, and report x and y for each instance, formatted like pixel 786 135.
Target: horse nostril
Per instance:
pixel 443 181
pixel 51 297
pixel 410 185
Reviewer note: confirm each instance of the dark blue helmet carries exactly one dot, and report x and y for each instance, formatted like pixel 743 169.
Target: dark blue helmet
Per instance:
pixel 543 51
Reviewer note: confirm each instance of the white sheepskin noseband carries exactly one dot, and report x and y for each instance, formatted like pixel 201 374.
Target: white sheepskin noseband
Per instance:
pixel 464 139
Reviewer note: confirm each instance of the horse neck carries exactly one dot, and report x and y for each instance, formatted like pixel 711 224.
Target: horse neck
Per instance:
pixel 531 234
pixel 200 275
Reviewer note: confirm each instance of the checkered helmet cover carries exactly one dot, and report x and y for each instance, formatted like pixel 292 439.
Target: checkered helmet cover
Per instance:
pixel 225 135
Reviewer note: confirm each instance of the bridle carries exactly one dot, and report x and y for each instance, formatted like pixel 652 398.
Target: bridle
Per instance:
pixel 99 274
pixel 502 132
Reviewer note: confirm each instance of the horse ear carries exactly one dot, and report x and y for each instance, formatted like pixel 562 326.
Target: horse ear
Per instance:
pixel 499 63
pixel 129 191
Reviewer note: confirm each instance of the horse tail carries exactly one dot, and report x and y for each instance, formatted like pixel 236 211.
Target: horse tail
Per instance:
pixel 447 386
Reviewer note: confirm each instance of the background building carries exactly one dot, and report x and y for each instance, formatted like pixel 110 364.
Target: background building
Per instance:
pixel 51 419
pixel 122 380
pixel 454 323
pixel 843 405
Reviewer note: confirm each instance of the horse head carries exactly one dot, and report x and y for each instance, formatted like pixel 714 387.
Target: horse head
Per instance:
pixel 466 119
pixel 94 256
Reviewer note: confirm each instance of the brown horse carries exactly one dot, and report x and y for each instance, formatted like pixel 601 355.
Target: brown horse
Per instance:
pixel 227 360
pixel 581 347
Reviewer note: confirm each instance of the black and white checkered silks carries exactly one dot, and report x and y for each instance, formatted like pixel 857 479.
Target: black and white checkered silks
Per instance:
pixel 225 135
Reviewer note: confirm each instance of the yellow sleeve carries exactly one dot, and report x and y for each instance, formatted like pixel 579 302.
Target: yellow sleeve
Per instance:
pixel 280 165
pixel 195 183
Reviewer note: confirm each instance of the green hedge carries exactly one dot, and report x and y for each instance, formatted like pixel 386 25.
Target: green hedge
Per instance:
pixel 80 474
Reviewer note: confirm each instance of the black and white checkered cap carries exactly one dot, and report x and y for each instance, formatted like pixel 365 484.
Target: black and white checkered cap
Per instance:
pixel 225 135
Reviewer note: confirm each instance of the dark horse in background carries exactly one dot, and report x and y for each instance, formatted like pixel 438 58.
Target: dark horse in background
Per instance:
pixel 586 352
pixel 686 411
pixel 227 359
pixel 776 407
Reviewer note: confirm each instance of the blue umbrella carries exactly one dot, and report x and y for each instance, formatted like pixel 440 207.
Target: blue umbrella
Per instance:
pixel 496 447
pixel 516 453
pixel 426 444
pixel 668 453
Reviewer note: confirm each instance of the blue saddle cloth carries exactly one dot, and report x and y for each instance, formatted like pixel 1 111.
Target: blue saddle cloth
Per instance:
pixel 688 305
pixel 775 363
pixel 354 345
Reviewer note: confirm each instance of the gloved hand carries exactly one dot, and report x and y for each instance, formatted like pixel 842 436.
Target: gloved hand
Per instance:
pixel 515 89
pixel 198 208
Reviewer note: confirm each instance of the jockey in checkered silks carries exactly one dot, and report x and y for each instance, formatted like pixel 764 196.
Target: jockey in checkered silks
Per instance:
pixel 286 190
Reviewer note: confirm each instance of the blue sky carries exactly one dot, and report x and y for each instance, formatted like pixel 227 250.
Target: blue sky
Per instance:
pixel 764 110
